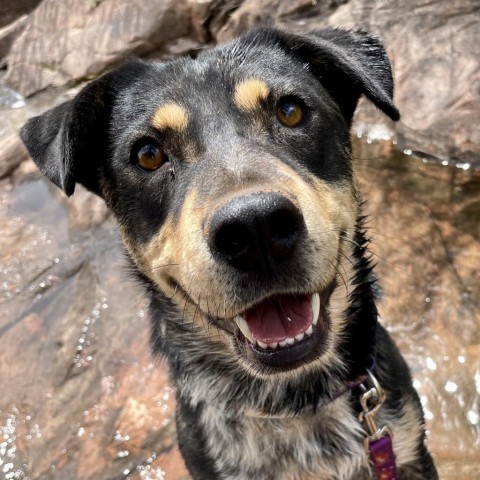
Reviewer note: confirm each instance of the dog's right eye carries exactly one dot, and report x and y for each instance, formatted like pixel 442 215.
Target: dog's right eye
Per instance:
pixel 150 157
pixel 290 112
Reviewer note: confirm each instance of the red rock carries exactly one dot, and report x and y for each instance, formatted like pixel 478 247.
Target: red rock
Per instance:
pixel 13 154
pixel 69 40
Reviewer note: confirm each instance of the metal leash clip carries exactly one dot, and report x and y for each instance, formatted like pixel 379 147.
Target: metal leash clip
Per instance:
pixel 378 443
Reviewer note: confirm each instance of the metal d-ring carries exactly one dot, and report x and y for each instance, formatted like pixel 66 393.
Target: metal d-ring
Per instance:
pixel 371 401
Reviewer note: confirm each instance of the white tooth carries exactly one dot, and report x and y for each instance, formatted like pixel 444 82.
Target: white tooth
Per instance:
pixel 273 345
pixel 262 345
pixel 315 302
pixel 290 341
pixel 243 326
pixel 309 330
pixel 299 336
pixel 283 343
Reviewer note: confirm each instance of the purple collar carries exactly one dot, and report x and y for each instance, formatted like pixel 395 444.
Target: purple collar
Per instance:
pixel 378 442
pixel 378 439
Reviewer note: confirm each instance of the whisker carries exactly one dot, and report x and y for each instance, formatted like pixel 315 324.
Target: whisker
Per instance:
pixel 344 281
pixel 374 254
pixel 165 265
pixel 393 237
pixel 343 254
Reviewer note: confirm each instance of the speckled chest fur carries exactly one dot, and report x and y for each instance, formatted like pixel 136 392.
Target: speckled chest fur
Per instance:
pixel 232 181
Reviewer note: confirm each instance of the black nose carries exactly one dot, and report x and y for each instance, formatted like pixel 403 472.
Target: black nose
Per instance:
pixel 253 232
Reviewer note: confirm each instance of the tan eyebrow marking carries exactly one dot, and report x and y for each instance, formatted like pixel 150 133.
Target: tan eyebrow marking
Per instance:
pixel 249 93
pixel 171 115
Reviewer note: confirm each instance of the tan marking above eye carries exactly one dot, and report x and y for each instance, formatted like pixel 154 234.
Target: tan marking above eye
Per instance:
pixel 249 93
pixel 170 116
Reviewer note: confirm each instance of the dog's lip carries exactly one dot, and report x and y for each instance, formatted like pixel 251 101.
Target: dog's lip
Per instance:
pixel 293 354
pixel 289 356
pixel 227 323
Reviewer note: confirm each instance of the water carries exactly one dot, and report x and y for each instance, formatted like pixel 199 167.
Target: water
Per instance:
pixel 75 360
pixel 10 99
pixel 425 238
pixel 82 397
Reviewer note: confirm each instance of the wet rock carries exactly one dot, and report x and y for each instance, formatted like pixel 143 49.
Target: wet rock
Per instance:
pixel 8 34
pixel 11 10
pixel 436 61
pixel 94 402
pixel 83 398
pixel 433 47
pixel 85 210
pixel 428 267
pixel 66 41
pixel 9 99
pixel 13 153
pixel 252 13
pixel 435 53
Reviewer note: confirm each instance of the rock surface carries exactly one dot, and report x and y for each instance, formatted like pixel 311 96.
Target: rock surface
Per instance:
pixel 12 9
pixel 433 46
pixel 81 396
pixel 13 154
pixel 83 399
pixel 435 52
pixel 9 34
pixel 66 40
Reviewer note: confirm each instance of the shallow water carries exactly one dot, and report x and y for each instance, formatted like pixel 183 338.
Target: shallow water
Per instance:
pixel 425 237
pixel 83 399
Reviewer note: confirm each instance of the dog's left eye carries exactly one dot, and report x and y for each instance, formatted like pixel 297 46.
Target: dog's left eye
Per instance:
pixel 290 112
pixel 150 157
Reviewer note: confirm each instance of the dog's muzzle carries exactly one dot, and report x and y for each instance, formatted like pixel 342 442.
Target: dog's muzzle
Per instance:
pixel 257 236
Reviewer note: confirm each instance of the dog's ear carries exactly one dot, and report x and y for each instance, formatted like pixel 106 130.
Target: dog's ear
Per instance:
pixel 65 142
pixel 348 63
pixel 68 143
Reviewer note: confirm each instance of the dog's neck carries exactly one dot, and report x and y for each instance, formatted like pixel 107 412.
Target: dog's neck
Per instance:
pixel 351 387
pixel 205 372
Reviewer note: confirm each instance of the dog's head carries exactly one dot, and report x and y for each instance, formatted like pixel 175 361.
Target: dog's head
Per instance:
pixel 230 177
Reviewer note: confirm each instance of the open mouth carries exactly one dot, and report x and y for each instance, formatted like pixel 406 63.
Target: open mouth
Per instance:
pixel 285 330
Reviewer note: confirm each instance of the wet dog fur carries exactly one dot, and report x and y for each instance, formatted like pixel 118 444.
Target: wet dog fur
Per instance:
pixel 220 138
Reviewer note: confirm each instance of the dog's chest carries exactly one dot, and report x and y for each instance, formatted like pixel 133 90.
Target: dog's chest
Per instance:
pixel 325 446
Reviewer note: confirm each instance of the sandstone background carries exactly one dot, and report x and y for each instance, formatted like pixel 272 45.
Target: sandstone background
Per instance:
pixel 434 47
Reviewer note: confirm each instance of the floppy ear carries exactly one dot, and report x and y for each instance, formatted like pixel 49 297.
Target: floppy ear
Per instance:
pixel 69 142
pixel 348 63
pixel 65 142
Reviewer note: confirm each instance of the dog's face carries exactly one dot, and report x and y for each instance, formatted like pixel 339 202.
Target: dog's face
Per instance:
pixel 230 177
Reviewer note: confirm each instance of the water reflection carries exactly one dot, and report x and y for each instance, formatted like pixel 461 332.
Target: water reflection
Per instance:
pixel 10 99
pixel 82 397
pixel 425 237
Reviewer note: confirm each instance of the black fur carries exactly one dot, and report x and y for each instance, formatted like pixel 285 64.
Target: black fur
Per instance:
pixel 93 139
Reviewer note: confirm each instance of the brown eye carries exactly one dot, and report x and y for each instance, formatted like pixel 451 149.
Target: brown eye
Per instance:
pixel 150 157
pixel 290 113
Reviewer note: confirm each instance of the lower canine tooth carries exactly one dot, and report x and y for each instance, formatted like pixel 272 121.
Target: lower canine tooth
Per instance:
pixel 309 330
pixel 262 345
pixel 299 336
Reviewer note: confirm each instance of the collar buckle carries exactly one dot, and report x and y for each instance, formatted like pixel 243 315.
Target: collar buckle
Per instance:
pixel 378 442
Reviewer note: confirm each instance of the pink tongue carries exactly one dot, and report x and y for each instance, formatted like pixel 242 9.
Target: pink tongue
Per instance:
pixel 277 318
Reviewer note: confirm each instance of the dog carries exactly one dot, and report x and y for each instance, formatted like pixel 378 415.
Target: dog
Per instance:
pixel 230 176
